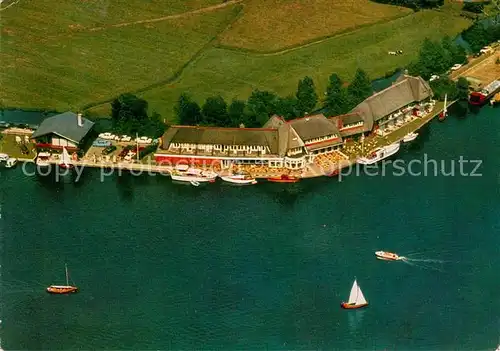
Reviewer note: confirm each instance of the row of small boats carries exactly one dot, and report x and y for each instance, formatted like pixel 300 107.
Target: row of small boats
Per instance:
pixel 198 176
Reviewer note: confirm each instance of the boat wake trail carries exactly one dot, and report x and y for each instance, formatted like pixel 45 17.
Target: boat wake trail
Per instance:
pixel 425 263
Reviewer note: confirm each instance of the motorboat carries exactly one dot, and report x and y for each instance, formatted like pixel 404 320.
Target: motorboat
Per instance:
pixel 356 298
pixel 239 178
pixel 379 154
pixel 284 179
pixel 11 162
pixel 62 289
pixel 193 174
pixel 388 256
pixel 43 159
pixel 4 157
pixel 410 137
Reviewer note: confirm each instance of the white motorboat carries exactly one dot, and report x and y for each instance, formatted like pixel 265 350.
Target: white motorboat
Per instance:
pixel 11 162
pixel 4 157
pixel 193 175
pixel 379 154
pixel 42 159
pixel 410 137
pixel 239 178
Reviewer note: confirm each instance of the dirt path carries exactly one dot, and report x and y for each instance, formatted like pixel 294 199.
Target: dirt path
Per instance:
pixel 164 18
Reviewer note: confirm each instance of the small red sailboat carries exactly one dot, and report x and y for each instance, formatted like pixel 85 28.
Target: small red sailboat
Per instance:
pixel 284 179
pixel 444 113
pixel 62 289
pixel 65 161
pixel 356 298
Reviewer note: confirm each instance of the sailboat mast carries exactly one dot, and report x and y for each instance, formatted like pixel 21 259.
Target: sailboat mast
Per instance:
pixel 137 145
pixel 67 279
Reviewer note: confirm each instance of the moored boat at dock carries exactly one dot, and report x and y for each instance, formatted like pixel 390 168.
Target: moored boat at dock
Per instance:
pixel 284 179
pixel 11 162
pixel 4 157
pixel 65 161
pixel 193 175
pixel 444 113
pixel 379 154
pixel 478 98
pixel 43 159
pixel 410 137
pixel 239 178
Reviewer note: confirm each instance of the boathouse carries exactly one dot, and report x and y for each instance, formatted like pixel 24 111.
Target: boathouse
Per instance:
pixel 67 129
pixel 396 104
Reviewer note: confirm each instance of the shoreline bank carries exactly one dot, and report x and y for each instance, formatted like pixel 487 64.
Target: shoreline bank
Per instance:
pixel 310 171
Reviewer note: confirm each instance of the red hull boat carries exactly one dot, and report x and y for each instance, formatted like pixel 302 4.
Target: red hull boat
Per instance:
pixel 284 179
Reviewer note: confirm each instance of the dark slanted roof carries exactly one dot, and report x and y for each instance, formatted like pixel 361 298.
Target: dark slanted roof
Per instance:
pixel 288 138
pixel 222 136
pixel 403 92
pixel 351 118
pixel 66 126
pixel 274 122
pixel 312 127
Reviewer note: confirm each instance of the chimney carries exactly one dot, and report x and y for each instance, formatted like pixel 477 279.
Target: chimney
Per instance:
pixel 79 118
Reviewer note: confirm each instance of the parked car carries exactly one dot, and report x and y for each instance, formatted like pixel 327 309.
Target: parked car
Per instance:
pixel 107 136
pixel 456 66
pixel 109 150
pixel 125 138
pixel 434 77
pixel 101 143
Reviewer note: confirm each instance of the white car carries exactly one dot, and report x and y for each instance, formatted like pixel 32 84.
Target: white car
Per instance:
pixel 106 136
pixel 433 77
pixel 125 138
pixel 455 67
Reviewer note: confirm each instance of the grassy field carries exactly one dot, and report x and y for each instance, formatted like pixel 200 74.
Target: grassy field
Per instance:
pixel 79 53
pixel 269 25
pixel 61 68
pixel 234 74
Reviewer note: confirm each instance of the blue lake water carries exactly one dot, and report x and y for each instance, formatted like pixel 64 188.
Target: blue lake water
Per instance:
pixel 167 266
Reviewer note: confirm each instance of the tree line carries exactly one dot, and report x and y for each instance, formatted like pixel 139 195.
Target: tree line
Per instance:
pixel 129 115
pixel 413 4
pixel 481 34
pixel 262 104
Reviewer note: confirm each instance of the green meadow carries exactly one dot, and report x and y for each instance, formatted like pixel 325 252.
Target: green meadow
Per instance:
pixel 82 54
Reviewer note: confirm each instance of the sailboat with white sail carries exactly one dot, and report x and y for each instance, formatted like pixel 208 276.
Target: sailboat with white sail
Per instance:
pixel 444 113
pixel 356 298
pixel 65 161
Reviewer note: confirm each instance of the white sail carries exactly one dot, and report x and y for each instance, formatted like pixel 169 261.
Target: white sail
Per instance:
pixel 356 296
pixel 445 104
pixel 65 158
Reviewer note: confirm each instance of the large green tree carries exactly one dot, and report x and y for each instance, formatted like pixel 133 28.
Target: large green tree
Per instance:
pixel 306 95
pixel 129 113
pixel 236 113
pixel 287 107
pixel 215 112
pixel 462 86
pixel 260 106
pixel 455 51
pixel 360 88
pixel 337 99
pixel 188 112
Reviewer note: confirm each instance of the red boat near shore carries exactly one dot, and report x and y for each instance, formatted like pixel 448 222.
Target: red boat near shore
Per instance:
pixel 478 98
pixel 284 179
